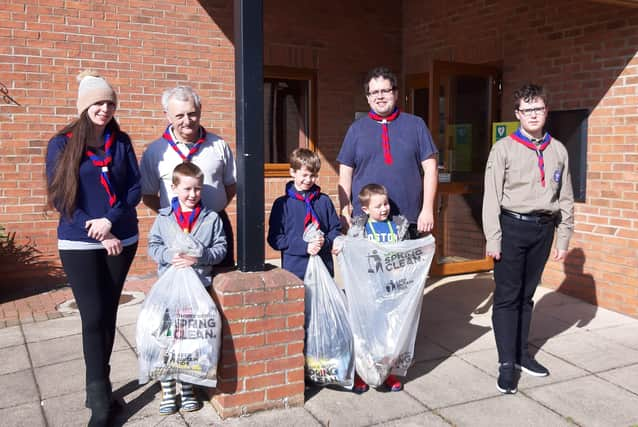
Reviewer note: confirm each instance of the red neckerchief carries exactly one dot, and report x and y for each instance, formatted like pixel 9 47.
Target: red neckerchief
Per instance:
pixel 385 136
pixel 519 137
pixel 167 136
pixel 185 224
pixel 104 164
pixel 313 193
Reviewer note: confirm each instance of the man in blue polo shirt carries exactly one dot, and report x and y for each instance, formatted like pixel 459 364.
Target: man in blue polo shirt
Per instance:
pixel 391 148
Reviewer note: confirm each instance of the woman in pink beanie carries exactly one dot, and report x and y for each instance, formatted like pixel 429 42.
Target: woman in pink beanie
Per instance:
pixel 94 183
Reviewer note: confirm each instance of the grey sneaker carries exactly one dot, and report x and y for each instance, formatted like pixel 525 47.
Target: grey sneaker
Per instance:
pixel 506 383
pixel 532 367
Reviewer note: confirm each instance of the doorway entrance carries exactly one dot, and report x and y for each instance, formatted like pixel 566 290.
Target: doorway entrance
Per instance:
pixel 459 102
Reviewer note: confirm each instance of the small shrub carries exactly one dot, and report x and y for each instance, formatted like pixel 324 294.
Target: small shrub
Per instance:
pixel 10 251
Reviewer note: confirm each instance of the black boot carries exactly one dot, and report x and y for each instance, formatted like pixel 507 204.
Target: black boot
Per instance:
pixel 109 390
pixel 87 403
pixel 116 405
pixel 99 400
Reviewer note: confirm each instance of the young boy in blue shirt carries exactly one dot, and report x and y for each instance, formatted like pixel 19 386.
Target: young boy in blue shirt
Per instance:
pixel 302 205
pixel 375 225
pixel 189 215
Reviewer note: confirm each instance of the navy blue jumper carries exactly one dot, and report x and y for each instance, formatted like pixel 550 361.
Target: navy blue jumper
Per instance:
pixel 286 228
pixel 92 200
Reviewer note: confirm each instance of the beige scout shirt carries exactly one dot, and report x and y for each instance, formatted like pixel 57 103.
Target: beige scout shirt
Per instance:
pixel 512 182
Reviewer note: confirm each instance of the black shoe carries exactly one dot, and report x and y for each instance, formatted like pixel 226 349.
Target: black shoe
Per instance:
pixel 532 367
pixel 506 383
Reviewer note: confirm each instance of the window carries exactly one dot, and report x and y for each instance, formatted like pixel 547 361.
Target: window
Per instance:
pixel 570 128
pixel 289 115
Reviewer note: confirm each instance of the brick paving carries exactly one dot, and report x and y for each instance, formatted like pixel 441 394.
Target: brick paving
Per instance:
pixel 44 305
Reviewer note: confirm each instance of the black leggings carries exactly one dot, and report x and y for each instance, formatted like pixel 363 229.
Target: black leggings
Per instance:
pixel 96 281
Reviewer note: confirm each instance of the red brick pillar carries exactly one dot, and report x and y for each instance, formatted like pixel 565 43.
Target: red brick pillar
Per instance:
pixel 262 362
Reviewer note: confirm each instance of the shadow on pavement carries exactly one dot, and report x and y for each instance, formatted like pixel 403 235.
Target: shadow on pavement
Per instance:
pixel 454 315
pixel 133 406
pixel 577 284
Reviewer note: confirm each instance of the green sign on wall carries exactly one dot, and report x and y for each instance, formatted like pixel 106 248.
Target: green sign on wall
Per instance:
pixel 461 138
pixel 501 129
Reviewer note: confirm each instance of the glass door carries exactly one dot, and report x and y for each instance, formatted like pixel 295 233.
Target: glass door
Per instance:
pixel 463 103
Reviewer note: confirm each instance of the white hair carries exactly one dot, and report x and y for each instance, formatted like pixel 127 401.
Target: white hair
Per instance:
pixel 181 93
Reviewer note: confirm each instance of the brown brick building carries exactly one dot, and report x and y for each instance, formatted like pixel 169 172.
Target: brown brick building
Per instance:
pixel 459 60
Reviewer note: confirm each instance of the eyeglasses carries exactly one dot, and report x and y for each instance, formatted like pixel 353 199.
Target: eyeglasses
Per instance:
pixel 381 92
pixel 529 111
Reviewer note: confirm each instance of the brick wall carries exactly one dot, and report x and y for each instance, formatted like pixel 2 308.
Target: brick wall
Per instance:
pixel 261 364
pixel 584 53
pixel 140 47
pixel 145 47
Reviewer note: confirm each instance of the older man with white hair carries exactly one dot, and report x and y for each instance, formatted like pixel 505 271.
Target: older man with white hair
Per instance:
pixel 186 140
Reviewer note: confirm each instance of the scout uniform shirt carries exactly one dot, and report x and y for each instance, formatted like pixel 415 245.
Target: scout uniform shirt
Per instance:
pixel 513 182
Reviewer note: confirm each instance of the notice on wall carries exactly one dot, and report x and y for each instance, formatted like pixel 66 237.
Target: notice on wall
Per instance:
pixel 460 136
pixel 501 129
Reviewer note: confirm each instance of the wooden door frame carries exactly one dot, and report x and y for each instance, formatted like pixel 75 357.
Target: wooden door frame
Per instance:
pixel 437 70
pixel 412 82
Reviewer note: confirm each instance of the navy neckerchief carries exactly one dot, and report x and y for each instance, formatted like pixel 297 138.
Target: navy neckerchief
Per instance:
pixel 313 193
pixel 104 163
pixel 185 158
pixel 185 224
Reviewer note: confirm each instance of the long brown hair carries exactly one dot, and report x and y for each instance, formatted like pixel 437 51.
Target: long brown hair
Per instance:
pixel 63 187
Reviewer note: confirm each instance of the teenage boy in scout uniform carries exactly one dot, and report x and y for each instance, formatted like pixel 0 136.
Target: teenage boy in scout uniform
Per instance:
pixel 528 195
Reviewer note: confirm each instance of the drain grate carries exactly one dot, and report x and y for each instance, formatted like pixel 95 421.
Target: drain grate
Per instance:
pixel 127 298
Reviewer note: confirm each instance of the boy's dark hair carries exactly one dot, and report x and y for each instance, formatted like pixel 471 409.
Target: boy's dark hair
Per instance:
pixel 370 190
pixel 187 169
pixel 382 72
pixel 304 157
pixel 529 92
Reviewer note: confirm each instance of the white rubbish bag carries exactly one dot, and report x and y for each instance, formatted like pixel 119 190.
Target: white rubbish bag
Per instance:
pixel 329 348
pixel 178 331
pixel 329 344
pixel 384 284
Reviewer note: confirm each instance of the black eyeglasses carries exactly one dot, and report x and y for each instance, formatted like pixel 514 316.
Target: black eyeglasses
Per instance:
pixel 529 111
pixel 381 92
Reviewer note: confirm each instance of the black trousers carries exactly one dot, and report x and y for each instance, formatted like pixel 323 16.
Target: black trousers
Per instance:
pixel 413 233
pixel 96 281
pixel 524 250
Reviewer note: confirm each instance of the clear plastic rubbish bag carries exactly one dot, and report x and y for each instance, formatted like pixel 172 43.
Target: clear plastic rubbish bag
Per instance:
pixel 384 284
pixel 329 344
pixel 179 242
pixel 179 331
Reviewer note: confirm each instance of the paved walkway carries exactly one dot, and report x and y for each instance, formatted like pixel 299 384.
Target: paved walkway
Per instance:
pixel 43 305
pixel 591 352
